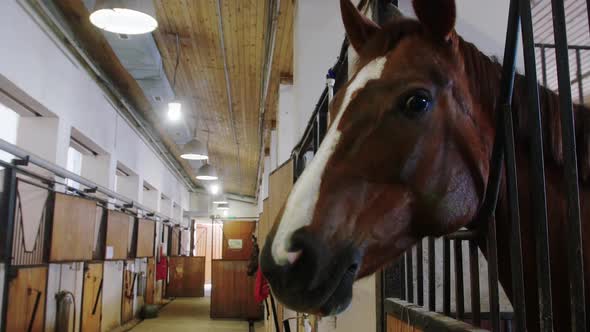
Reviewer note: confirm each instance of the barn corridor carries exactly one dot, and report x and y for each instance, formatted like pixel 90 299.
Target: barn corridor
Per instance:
pixel 190 314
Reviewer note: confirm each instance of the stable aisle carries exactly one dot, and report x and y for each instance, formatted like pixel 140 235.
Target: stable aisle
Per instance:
pixel 191 315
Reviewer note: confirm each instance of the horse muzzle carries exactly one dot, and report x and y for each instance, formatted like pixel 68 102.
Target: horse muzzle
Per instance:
pixel 317 279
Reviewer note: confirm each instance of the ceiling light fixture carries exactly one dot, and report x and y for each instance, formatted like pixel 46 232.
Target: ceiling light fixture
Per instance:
pixel 175 107
pixel 194 150
pixel 214 188
pixel 207 173
pixel 129 17
pixel 174 110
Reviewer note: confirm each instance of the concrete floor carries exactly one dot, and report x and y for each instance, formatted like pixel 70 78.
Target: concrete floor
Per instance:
pixel 191 315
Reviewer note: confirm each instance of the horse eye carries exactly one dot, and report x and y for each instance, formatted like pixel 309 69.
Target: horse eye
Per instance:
pixel 417 104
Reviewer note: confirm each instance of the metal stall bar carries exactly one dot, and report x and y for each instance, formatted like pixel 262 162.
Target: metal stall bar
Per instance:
pixel 410 275
pixel 459 291
pixel 507 89
pixel 579 77
pixel 492 248
pixel 9 205
pixel 570 169
pixel 446 276
pixel 431 276
pixel 420 274
pixel 62 172
pixel 474 279
pixel 538 194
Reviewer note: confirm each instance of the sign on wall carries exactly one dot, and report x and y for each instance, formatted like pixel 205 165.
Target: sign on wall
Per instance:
pixel 235 244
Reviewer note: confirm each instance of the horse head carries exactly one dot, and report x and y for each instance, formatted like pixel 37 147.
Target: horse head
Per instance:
pixel 404 158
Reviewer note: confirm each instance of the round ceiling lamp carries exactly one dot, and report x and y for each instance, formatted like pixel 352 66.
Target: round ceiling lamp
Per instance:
pixel 207 173
pixel 128 17
pixel 224 206
pixel 221 199
pixel 194 150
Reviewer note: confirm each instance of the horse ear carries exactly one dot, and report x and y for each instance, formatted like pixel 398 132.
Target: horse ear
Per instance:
pixel 438 16
pixel 359 28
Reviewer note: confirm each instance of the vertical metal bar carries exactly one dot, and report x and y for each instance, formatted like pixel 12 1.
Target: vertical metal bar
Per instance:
pixel 544 65
pixel 474 280
pixel 402 278
pixel 9 205
pixel 431 276
pixel 459 291
pixel 509 71
pixel 446 276
pixel 579 77
pixel 410 275
pixel 493 274
pixel 538 194
pixel 570 170
pixel 420 273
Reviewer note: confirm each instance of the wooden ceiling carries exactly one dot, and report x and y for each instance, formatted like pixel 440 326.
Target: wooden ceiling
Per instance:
pixel 220 75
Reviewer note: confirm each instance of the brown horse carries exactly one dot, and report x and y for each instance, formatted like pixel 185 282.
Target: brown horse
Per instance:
pixel 407 156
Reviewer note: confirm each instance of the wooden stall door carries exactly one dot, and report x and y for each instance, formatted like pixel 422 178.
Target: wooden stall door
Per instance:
pixel 150 287
pixel 118 233
pixel 26 300
pixel 145 238
pixel 127 305
pixel 72 236
pixel 187 277
pixel 232 291
pixel 92 298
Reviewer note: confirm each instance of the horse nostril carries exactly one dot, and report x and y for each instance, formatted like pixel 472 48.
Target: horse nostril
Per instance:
pixel 352 269
pixel 292 257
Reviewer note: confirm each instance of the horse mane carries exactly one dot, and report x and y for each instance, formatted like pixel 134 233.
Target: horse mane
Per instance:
pixel 484 76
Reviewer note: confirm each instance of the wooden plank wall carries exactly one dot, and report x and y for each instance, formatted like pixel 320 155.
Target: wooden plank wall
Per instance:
pixel 145 238
pixel 29 285
pixel 73 229
pixel 280 185
pixel 238 230
pixel 128 295
pixel 174 238
pixel 187 277
pixel 118 227
pixel 396 325
pixel 150 287
pixel 232 291
pixel 92 298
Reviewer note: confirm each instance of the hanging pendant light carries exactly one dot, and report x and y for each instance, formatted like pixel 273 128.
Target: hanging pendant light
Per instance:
pixel 128 17
pixel 221 199
pixel 194 150
pixel 207 173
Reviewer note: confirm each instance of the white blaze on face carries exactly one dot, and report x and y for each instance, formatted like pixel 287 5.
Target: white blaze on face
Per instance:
pixel 304 196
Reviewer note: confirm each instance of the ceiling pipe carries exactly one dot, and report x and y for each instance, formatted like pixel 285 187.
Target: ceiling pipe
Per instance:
pixel 230 106
pixel 64 173
pixel 129 112
pixel 269 51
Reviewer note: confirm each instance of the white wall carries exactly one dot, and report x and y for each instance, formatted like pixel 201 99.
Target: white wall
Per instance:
pixel 8 129
pixel 112 295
